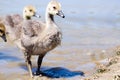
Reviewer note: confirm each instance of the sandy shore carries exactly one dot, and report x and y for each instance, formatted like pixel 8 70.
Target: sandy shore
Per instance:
pixel 106 69
pixel 107 73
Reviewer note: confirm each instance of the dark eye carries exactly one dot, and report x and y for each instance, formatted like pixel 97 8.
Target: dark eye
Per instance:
pixel 1 31
pixel 54 7
pixel 31 10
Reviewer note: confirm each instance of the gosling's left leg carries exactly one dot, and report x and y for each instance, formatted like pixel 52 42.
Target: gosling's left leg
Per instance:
pixel 29 64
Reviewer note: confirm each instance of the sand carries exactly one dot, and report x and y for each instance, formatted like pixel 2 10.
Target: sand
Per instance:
pixel 103 69
pixel 112 72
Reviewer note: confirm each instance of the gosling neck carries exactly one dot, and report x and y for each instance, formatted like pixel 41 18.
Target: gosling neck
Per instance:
pixel 49 18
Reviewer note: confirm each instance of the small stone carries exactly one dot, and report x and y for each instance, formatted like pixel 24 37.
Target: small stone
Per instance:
pixel 113 61
pixel 96 76
pixel 116 77
pixel 102 68
pixel 103 51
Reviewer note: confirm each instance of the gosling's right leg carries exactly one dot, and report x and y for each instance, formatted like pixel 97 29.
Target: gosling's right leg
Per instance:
pixel 40 58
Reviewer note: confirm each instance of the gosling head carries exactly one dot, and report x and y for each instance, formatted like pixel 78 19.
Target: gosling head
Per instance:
pixel 2 32
pixel 54 8
pixel 29 11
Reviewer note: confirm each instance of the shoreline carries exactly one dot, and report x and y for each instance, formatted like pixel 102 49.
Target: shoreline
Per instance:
pixel 107 68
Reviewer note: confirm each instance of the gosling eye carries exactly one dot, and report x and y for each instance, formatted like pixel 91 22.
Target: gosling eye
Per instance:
pixel 54 7
pixel 30 10
pixel 1 31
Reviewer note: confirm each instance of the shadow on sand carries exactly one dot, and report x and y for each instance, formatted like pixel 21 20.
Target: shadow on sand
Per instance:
pixel 60 72
pixel 57 72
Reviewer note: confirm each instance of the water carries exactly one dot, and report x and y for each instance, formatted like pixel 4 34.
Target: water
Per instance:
pixel 91 28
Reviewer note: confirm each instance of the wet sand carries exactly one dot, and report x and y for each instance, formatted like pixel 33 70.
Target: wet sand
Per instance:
pixel 14 67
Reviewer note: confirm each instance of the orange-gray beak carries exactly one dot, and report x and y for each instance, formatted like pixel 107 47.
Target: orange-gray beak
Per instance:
pixel 36 15
pixel 61 14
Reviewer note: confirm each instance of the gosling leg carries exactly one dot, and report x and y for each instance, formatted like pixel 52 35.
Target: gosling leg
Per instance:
pixel 29 64
pixel 39 62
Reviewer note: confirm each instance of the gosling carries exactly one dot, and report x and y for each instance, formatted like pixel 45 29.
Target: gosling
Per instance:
pixel 38 37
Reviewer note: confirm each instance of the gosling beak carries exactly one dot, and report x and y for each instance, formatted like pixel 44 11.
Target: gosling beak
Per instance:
pixel 37 15
pixel 4 38
pixel 61 14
